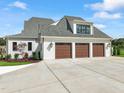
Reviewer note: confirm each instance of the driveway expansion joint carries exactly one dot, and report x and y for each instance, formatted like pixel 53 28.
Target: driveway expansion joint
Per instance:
pixel 100 73
pixel 57 78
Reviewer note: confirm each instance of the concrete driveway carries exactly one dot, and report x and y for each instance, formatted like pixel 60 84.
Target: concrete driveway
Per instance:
pixel 96 75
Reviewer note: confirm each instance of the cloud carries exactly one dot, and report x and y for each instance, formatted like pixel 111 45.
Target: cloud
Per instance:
pixel 108 5
pixel 19 4
pixel 107 9
pixel 106 15
pixel 100 26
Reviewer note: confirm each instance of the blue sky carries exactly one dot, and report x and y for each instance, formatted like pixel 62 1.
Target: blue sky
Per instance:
pixel 107 15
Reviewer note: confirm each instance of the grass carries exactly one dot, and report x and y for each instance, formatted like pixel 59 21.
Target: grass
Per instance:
pixel 13 63
pixel 121 53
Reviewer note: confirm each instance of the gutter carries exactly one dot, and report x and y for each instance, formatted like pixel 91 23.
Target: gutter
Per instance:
pixel 60 37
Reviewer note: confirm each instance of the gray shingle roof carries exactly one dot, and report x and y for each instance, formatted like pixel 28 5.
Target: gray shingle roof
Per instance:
pixel 42 21
pixel 63 28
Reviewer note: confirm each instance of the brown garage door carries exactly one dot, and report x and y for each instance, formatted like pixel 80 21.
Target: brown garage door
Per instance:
pixel 63 50
pixel 98 50
pixel 82 50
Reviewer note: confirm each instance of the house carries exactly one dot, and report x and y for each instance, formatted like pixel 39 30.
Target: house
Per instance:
pixel 70 37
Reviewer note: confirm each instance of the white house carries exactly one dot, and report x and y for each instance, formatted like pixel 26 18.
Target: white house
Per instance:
pixel 70 37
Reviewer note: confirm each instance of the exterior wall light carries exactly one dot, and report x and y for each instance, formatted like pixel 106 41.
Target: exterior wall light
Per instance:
pixel 108 45
pixel 51 45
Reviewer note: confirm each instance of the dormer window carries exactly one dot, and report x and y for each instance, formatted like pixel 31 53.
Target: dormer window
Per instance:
pixel 83 29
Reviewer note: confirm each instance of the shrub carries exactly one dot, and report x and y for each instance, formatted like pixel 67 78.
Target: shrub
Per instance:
pixel 39 55
pixel 16 56
pixel 34 55
pixel 8 56
pixel 114 51
pixel 1 56
pixel 118 51
pixel 26 55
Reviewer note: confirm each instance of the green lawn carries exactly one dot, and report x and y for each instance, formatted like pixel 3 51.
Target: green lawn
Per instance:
pixel 13 63
pixel 121 53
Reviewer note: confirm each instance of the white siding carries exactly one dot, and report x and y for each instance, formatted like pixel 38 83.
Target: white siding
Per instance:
pixel 73 50
pixel 91 49
pixel 48 50
pixel 10 46
pixel 50 53
pixel 107 50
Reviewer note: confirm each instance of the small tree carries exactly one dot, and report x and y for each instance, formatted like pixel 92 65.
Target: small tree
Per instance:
pixel 118 51
pixel 26 55
pixel 34 55
pixel 1 56
pixel 114 51
pixel 8 56
pixel 2 42
pixel 16 56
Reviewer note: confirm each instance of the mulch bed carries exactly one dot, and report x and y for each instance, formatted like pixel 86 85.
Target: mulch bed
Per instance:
pixel 20 60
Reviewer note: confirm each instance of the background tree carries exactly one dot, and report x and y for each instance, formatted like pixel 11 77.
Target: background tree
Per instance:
pixel 2 42
pixel 118 42
pixel 118 46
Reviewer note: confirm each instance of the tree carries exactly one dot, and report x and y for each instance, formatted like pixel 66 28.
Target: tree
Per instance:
pixel 117 45
pixel 2 42
pixel 118 42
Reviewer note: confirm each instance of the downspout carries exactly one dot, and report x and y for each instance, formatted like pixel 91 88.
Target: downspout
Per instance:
pixel 6 39
pixel 41 42
pixel 43 48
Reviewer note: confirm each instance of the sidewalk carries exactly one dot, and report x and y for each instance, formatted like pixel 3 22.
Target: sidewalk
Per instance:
pixel 7 69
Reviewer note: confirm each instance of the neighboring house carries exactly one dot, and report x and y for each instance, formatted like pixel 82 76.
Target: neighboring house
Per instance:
pixel 70 37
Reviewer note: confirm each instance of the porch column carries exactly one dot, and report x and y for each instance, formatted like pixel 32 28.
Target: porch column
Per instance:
pixel 91 50
pixel 73 50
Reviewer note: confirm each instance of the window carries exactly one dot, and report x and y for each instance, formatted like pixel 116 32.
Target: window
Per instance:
pixel 83 29
pixel 29 46
pixel 14 46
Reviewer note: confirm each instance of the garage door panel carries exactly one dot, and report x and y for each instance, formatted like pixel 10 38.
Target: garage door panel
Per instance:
pixel 63 50
pixel 82 50
pixel 98 50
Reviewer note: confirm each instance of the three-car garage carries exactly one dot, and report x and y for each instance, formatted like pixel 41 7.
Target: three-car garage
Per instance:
pixel 82 50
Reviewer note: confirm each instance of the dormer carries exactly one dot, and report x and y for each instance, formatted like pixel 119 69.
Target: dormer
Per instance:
pixel 82 27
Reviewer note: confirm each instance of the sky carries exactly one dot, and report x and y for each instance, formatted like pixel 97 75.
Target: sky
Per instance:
pixel 107 15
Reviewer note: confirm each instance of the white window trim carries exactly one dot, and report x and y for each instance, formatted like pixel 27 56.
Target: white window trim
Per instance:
pixel 75 29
